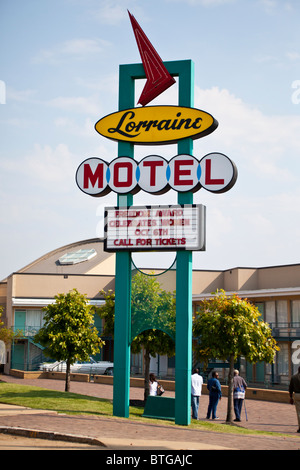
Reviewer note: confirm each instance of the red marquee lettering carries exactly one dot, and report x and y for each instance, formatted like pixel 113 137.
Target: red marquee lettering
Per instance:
pixel 153 164
pixel 155 175
pixel 179 172
pixel 208 178
pixel 117 182
pixel 90 177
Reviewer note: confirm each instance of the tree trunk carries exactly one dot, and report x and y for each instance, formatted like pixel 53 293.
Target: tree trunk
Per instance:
pixel 230 390
pixel 68 376
pixel 147 373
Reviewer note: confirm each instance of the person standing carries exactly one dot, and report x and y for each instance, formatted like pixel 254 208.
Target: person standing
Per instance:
pixel 196 389
pixel 239 388
pixel 215 394
pixel 294 391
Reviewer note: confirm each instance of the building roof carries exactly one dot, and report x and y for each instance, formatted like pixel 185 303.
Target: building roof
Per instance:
pixel 87 257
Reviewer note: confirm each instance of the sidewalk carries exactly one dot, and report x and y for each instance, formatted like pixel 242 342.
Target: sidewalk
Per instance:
pixel 121 433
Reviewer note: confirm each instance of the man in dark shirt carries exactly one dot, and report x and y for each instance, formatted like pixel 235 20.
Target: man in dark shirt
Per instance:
pixel 294 390
pixel 215 394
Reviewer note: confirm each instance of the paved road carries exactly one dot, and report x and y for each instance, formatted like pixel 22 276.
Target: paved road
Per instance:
pixel 119 433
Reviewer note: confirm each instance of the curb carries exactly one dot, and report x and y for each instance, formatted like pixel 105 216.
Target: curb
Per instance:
pixel 55 436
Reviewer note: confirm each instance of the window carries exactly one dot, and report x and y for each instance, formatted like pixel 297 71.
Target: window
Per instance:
pixel 34 319
pixel 276 312
pixel 29 321
pixel 261 308
pixel 78 256
pixel 270 312
pixel 283 360
pixel 281 311
pixel 296 311
pixel 280 369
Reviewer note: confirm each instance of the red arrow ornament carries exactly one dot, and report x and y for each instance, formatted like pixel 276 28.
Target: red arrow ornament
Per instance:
pixel 158 78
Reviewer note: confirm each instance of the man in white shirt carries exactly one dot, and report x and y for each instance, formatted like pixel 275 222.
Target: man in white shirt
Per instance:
pixel 196 390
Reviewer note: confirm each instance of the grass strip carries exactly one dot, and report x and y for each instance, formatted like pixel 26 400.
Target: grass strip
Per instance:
pixel 44 399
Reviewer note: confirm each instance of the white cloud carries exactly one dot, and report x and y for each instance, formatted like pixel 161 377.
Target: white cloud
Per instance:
pixel 269 4
pixel 267 146
pixel 205 3
pixel 293 56
pixel 257 222
pixel 113 12
pixel 81 47
pixel 20 95
pixel 272 6
pixel 73 127
pixel 78 49
pixel 51 168
pixel 266 59
pixel 76 104
pixel 106 83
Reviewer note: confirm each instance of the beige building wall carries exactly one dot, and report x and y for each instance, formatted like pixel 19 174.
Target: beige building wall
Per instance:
pixel 48 285
pixel 279 277
pixel 247 279
pixel 207 281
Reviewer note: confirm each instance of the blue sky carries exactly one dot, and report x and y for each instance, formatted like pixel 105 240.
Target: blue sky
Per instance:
pixel 59 75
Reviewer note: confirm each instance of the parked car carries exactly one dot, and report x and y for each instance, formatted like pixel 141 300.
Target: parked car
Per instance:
pixel 92 367
pixel 109 371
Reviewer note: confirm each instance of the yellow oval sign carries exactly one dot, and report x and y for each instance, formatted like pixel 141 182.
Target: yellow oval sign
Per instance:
pixel 156 124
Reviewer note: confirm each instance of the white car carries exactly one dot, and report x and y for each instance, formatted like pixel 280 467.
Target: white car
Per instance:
pixel 92 367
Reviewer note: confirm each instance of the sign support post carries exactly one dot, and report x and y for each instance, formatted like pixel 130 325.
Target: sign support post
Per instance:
pixel 184 270
pixel 128 73
pixel 123 279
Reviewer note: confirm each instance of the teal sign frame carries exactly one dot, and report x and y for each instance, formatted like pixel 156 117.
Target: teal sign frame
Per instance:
pixel 184 70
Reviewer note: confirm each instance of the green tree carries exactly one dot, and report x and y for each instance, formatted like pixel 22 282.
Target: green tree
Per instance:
pixel 228 327
pixel 68 333
pixel 7 335
pixel 153 313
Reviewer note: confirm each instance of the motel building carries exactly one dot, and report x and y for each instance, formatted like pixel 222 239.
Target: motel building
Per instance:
pixel 84 265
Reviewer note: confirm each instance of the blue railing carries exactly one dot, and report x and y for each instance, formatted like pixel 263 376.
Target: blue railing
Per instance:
pixel 286 330
pixel 31 331
pixel 27 331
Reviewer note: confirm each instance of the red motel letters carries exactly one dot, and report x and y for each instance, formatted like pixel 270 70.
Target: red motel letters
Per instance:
pixel 214 172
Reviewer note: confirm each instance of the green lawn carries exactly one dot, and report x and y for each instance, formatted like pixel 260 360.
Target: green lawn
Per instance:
pixel 73 403
pixel 62 402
